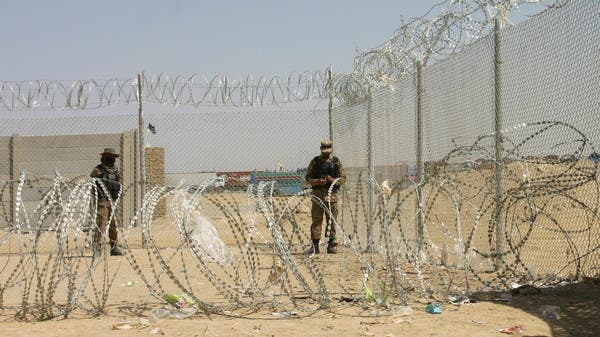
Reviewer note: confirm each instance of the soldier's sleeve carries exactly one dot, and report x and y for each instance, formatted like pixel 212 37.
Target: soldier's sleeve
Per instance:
pixel 95 173
pixel 309 171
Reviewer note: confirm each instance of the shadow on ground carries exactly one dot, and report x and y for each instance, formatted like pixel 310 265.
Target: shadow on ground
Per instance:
pixel 579 308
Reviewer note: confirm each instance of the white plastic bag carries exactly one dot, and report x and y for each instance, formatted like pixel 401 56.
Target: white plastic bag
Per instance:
pixel 205 237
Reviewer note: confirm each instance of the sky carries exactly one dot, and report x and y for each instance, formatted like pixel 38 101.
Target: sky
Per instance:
pixel 67 40
pixel 70 40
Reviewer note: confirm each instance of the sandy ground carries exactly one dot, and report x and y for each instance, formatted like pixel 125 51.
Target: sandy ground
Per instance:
pixel 129 301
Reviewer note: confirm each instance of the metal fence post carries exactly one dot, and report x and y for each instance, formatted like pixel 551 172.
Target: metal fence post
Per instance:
pixel 370 168
pixel 142 149
pixel 15 162
pixel 420 163
pixel 329 88
pixel 500 215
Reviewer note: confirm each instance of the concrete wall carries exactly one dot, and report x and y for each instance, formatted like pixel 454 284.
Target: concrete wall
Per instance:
pixel 72 156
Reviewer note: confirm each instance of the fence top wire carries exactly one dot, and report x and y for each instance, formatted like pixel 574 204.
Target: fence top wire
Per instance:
pixel 445 29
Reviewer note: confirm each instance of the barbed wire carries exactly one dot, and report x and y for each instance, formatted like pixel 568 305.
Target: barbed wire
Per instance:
pixel 192 90
pixel 446 29
pixel 268 233
pixel 430 37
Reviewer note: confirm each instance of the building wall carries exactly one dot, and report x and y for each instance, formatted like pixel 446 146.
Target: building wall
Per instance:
pixel 41 158
pixel 155 175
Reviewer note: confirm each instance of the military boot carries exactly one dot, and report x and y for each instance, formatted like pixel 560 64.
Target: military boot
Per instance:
pixel 314 249
pixel 115 250
pixel 331 246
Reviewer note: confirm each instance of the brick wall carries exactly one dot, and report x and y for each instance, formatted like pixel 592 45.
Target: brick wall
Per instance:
pixel 155 175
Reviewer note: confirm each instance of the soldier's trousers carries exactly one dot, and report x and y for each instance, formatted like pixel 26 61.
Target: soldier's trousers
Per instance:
pixel 104 212
pixel 317 211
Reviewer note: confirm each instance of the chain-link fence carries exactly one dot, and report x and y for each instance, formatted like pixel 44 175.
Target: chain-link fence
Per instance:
pixel 540 215
pixel 473 165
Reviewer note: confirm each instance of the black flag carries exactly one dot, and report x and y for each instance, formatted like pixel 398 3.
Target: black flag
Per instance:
pixel 152 128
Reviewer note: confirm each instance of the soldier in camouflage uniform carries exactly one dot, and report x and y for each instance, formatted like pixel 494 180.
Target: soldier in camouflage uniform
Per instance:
pixel 322 171
pixel 107 175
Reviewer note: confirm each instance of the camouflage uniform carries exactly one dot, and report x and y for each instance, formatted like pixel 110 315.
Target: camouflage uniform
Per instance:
pixel 321 172
pixel 109 176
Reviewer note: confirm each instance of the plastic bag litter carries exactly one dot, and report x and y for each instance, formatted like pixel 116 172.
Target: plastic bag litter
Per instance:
pixel 550 311
pixel 434 308
pixel 180 301
pixel 512 330
pixel 162 313
pixel 183 313
pixel 157 331
pixel 131 325
pixel 206 237
pixel 459 300
pixel 285 313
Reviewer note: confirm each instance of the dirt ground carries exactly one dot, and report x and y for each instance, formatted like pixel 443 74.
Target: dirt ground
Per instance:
pixel 131 305
pixel 129 302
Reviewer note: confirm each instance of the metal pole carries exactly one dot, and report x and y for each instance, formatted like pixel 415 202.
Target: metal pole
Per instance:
pixel 141 140
pixel 14 160
pixel 329 88
pixel 371 189
pixel 420 162
pixel 499 148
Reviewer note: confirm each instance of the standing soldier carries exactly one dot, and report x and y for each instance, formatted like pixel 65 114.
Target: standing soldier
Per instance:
pixel 321 173
pixel 107 179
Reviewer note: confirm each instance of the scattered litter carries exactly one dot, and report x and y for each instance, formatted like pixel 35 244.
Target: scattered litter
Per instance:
pixel 162 313
pixel 459 300
pixel 131 325
pixel 180 301
pixel 126 326
pixel 550 311
pixel 205 238
pixel 285 313
pixel 478 322
pixel 157 331
pixel 525 290
pixel 369 296
pixel 183 313
pixel 512 330
pixel 434 308
pixel 504 297
pixel 129 284
pixel 373 322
